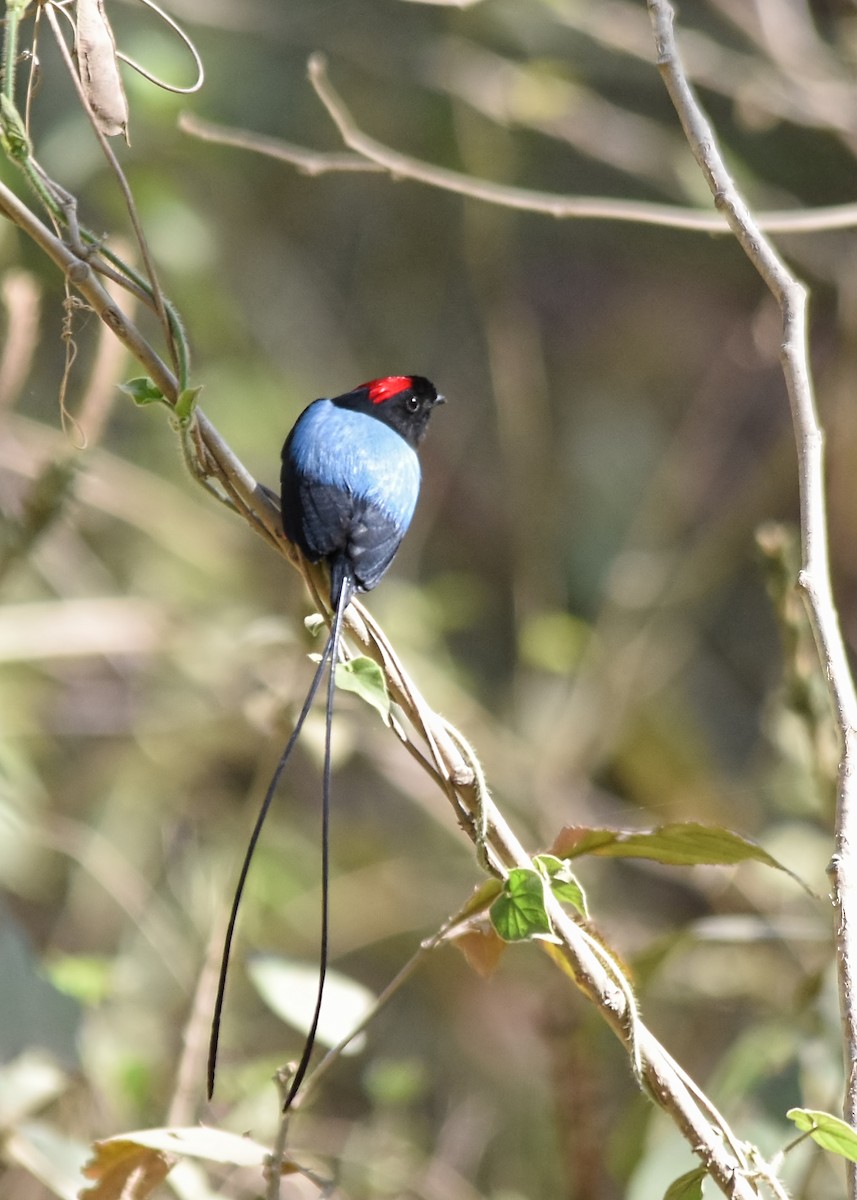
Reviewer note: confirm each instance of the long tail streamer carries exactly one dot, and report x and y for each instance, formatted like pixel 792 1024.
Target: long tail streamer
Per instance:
pixel 329 656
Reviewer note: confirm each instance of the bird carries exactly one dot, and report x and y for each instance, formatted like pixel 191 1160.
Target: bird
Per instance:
pixel 349 484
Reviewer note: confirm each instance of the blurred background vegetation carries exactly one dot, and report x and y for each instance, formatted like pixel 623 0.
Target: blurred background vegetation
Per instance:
pixel 582 593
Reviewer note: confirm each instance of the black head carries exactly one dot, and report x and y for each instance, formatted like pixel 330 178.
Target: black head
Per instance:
pixel 404 402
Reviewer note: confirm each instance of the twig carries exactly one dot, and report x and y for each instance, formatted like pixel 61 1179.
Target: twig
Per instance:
pixel 403 166
pixel 278 1151
pixel 309 162
pixel 370 155
pixel 14 12
pixel 814 576
pixel 416 960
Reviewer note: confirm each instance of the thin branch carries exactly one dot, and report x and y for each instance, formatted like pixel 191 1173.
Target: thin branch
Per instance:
pixel 308 162
pixel 369 155
pixel 424 951
pixel 814 576
pixel 396 983
pixel 15 10
pixel 597 208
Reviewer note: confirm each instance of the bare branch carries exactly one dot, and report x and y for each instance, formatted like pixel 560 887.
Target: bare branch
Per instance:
pixel 403 166
pixel 309 162
pixel 814 578
pixel 370 155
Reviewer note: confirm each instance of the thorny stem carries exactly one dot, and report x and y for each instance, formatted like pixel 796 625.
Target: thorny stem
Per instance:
pixel 814 577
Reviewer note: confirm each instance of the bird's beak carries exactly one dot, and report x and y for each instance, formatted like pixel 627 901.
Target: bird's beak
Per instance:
pixel 439 400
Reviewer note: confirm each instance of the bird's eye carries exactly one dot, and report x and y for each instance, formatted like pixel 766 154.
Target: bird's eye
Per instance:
pixel 412 404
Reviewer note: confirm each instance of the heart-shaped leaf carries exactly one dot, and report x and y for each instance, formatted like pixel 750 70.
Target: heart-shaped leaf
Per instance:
pixel 520 913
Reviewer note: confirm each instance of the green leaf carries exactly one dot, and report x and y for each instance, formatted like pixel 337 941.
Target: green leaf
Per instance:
pixel 563 882
pixel 143 391
pixel 365 678
pixel 520 912
pixel 684 845
pixel 831 1133
pixel 85 977
pixel 186 402
pixel 688 1186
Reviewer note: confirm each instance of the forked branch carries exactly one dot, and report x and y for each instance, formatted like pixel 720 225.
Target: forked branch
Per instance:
pixel 368 154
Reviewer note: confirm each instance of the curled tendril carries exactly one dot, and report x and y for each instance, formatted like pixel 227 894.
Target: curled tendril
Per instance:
pixel 162 83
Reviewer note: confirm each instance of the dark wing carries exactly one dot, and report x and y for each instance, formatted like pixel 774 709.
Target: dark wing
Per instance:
pixel 374 539
pixel 337 524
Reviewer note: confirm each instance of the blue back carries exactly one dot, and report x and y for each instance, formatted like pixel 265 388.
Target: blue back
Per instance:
pixel 360 455
pixel 350 487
